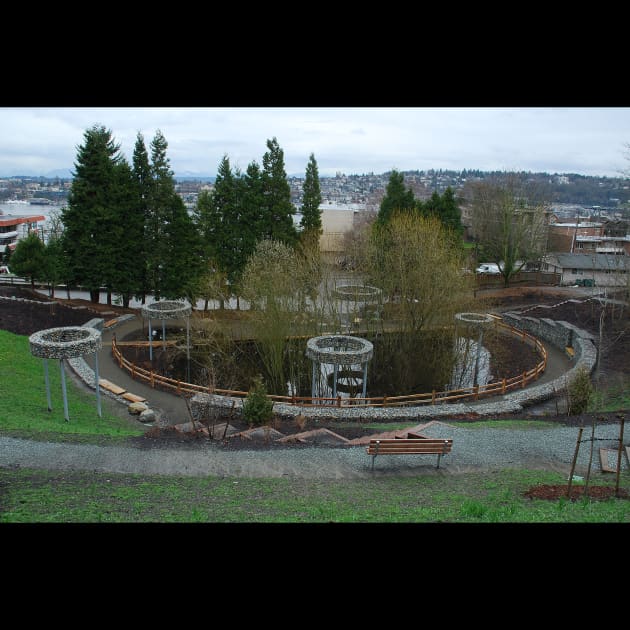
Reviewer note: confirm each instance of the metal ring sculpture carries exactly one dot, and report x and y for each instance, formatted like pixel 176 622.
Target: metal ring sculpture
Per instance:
pixel 357 292
pixel 166 310
pixel 346 350
pixel 66 342
pixel 475 319
pixel 338 350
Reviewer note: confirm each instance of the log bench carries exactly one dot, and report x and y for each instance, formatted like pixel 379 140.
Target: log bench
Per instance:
pixel 413 446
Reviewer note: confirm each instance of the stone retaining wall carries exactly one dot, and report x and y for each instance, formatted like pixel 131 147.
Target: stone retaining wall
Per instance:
pixel 557 333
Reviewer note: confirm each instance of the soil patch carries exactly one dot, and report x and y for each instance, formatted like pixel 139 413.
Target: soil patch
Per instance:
pixel 549 492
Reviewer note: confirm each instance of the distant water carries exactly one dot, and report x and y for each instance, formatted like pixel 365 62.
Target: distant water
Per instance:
pixel 27 209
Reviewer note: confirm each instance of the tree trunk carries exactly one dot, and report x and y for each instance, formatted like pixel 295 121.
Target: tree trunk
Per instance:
pixel 95 295
pixel 126 299
pixel 109 297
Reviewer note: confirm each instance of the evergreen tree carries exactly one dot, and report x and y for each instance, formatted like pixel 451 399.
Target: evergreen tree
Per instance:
pixel 218 220
pixel 127 242
pixel 396 198
pixel 88 216
pixel 311 199
pixel 172 260
pixel 445 208
pixel 143 182
pixel 251 221
pixel 278 211
pixel 28 258
pixel 450 214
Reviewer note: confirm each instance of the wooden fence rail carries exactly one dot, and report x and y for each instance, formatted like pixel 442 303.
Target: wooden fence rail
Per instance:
pixel 429 398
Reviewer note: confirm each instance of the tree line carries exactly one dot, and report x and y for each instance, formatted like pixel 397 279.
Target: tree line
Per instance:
pixel 125 228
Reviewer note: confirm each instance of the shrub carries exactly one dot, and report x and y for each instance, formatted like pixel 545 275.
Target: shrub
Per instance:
pixel 579 392
pixel 257 408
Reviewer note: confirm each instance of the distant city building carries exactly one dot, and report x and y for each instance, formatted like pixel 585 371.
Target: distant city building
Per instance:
pixel 13 228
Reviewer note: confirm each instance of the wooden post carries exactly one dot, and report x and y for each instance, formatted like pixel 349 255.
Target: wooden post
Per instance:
pixel 503 384
pixel 622 418
pixel 433 397
pixel 590 459
pixel 575 456
pixel 524 380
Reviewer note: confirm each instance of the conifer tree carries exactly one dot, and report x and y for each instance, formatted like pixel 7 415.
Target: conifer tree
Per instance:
pixel 88 216
pixel 143 182
pixel 311 220
pixel 278 211
pixel 126 235
pixel 171 245
pixel 396 198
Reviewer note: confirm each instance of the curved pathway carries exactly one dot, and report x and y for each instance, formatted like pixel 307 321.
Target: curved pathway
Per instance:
pixel 171 409
pixel 548 448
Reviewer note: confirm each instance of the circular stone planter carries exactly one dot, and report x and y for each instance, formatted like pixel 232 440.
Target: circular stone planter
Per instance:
pixel 339 349
pixel 65 343
pixel 166 310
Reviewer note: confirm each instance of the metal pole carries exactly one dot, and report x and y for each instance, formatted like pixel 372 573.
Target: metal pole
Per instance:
pixel 63 389
pixel 150 341
pixel 163 333
pixel 313 381
pixel 335 381
pixel 476 374
pixel 364 379
pixel 48 400
pixel 98 386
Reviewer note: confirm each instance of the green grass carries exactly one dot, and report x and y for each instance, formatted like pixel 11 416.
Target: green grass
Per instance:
pixel 36 496
pixel 23 405
pixel 610 399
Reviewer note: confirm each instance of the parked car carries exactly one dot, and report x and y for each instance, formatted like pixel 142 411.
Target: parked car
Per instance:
pixel 491 268
pixel 4 269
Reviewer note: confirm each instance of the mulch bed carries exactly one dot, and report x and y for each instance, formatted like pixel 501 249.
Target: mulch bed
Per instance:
pixel 551 492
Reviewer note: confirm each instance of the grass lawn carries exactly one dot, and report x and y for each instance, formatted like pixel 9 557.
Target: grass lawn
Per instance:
pixel 23 406
pixel 35 496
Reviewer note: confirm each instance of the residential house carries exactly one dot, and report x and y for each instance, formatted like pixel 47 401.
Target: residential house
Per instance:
pixel 601 270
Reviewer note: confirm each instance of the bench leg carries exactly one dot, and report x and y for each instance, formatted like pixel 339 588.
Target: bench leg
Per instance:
pixel 438 463
pixel 373 458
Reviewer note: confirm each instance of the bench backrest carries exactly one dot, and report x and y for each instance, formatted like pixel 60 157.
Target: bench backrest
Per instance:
pixel 410 446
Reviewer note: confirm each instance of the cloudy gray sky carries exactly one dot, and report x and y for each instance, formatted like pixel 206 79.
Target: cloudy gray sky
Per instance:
pixel 588 141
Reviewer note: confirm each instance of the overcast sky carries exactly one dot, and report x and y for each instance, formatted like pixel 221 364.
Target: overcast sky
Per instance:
pixel 588 141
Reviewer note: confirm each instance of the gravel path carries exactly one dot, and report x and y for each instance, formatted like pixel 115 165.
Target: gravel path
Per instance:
pixel 473 449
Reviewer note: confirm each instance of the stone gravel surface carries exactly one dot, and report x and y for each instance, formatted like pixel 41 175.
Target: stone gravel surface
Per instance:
pixel 473 449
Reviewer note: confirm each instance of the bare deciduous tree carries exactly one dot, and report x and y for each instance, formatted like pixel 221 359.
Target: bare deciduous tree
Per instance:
pixel 509 220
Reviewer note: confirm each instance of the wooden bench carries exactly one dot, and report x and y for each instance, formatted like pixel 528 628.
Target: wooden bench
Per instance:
pixel 397 446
